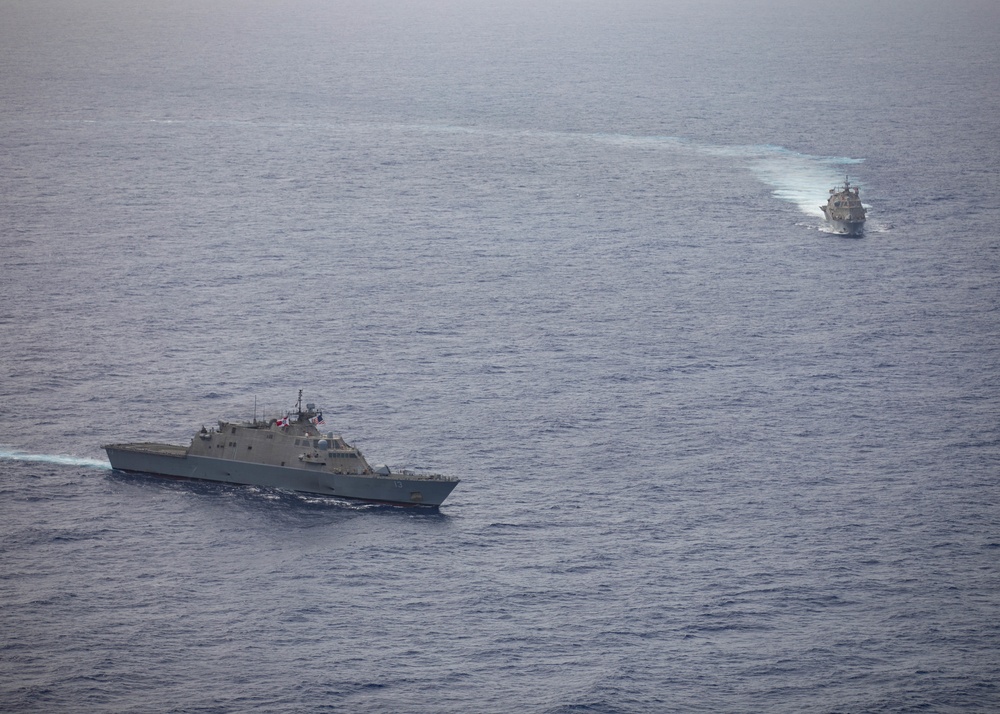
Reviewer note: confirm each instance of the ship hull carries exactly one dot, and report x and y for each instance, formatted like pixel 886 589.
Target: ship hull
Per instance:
pixel 174 461
pixel 847 228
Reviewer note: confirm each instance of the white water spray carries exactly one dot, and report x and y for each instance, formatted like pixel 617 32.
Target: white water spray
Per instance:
pixel 54 459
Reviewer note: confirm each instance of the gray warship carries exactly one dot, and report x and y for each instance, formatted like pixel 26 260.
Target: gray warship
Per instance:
pixel 843 210
pixel 288 452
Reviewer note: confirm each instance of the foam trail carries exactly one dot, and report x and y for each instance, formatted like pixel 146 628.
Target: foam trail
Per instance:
pixel 54 459
pixel 802 179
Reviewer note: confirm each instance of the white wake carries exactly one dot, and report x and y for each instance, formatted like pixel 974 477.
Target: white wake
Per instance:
pixel 54 459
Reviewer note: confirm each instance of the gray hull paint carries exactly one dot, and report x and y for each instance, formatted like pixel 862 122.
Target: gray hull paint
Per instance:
pixel 847 228
pixel 167 460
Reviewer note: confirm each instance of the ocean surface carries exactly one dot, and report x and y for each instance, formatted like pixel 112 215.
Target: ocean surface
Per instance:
pixel 713 457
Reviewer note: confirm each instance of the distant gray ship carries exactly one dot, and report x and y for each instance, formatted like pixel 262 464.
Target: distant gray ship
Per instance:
pixel 290 453
pixel 843 210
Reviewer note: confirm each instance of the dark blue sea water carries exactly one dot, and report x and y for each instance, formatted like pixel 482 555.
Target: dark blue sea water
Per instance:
pixel 713 458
